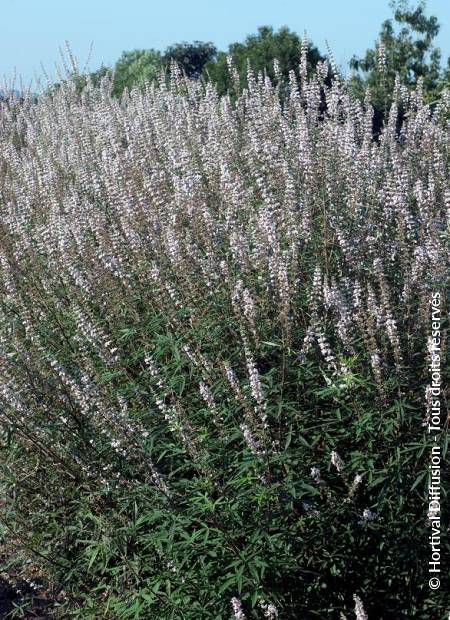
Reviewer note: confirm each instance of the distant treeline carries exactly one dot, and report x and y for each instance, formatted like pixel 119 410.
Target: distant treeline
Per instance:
pixel 405 48
pixel 404 52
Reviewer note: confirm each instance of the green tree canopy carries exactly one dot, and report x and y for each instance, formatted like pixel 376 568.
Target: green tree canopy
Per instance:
pixel 136 67
pixel 405 48
pixel 261 50
pixel 191 57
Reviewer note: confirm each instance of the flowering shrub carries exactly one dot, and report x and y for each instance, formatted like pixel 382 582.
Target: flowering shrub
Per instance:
pixel 213 344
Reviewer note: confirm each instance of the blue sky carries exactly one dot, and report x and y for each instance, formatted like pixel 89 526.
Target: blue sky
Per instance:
pixel 32 30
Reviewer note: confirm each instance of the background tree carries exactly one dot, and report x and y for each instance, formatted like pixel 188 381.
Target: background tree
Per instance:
pixel 136 67
pixel 192 57
pixel 405 48
pixel 261 50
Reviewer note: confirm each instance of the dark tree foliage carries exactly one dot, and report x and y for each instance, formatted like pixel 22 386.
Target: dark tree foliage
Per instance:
pixel 191 57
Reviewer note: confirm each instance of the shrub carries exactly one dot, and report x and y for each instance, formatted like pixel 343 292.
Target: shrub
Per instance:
pixel 213 344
